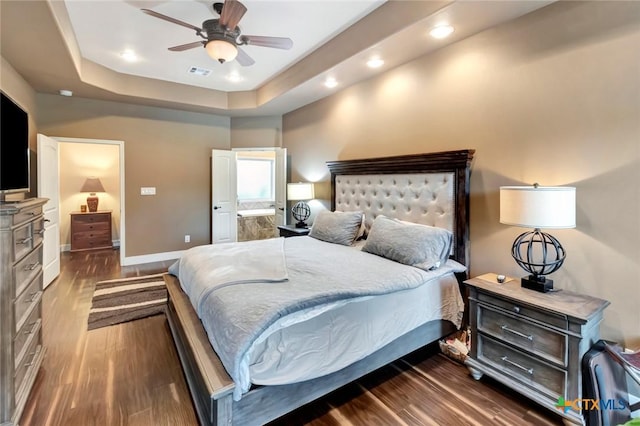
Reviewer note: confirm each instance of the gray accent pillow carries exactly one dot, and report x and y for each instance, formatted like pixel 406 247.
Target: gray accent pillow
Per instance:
pixel 422 246
pixel 336 227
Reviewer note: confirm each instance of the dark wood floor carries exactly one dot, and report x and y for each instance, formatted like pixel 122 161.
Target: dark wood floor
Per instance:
pixel 129 374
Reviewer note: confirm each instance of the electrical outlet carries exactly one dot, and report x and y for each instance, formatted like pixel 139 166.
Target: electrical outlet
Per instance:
pixel 187 238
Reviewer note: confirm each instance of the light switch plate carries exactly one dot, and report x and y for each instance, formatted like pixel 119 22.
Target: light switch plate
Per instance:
pixel 151 190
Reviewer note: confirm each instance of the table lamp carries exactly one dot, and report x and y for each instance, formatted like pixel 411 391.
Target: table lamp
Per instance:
pixel 538 207
pixel 92 185
pixel 300 191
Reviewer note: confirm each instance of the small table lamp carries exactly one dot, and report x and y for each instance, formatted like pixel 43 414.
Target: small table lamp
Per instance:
pixel 300 191
pixel 538 207
pixel 92 185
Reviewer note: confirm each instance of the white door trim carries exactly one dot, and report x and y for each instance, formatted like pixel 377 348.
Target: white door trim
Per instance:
pixel 121 177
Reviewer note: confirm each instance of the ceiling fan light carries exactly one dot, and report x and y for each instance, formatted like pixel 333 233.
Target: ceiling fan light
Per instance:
pixel 221 50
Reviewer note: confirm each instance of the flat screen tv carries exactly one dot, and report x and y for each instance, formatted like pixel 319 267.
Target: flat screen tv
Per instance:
pixel 14 148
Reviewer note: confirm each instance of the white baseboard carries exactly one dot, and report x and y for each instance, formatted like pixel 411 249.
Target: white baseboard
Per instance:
pixel 67 247
pixel 155 257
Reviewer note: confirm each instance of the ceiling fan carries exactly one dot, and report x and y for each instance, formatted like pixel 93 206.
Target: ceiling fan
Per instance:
pixel 222 37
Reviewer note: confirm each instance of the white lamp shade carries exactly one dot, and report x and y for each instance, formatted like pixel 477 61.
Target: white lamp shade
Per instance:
pixel 538 207
pixel 221 50
pixel 300 191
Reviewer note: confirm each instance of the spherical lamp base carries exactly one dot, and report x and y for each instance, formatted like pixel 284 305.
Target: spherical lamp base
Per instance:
pixel 539 254
pixel 301 212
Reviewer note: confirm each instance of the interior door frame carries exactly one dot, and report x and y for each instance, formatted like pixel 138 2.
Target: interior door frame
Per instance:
pixel 273 149
pixel 120 145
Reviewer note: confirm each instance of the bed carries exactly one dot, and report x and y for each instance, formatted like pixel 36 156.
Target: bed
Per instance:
pixel 430 189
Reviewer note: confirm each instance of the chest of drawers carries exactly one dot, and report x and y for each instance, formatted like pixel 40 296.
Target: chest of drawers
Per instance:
pixel 532 342
pixel 21 350
pixel 90 230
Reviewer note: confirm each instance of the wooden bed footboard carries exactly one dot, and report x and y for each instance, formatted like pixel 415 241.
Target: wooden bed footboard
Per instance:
pixel 211 387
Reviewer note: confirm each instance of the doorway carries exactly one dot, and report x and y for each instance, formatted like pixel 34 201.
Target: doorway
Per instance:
pixel 80 159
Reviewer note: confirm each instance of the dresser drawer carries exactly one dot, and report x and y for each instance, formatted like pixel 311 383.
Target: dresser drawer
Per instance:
pixel 520 332
pixel 30 356
pixel 37 231
pixel 30 327
pixel 84 219
pixel 547 379
pixel 25 270
pixel 556 320
pixel 22 241
pixel 27 301
pixel 25 215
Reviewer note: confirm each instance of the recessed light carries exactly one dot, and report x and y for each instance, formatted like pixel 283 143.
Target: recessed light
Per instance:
pixel 234 77
pixel 375 63
pixel 441 31
pixel 129 55
pixel 331 82
pixel 65 92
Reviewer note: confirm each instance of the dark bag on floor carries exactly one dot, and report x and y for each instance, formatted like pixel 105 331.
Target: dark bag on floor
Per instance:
pixel 604 379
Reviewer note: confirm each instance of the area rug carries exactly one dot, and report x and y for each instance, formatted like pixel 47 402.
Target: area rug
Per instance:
pixel 127 299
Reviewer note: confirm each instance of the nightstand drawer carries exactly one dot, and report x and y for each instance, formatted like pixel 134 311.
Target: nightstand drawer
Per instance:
pixel 550 318
pixel 524 334
pixel 91 218
pixel 88 227
pixel 537 374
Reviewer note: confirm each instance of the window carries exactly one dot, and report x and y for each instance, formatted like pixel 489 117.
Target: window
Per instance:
pixel 256 179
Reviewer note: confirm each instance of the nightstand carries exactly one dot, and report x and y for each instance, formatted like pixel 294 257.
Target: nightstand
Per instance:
pixel 291 231
pixel 91 230
pixel 532 342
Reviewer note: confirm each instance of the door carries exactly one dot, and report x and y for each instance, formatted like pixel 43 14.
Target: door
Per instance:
pixel 281 186
pixel 224 221
pixel 48 187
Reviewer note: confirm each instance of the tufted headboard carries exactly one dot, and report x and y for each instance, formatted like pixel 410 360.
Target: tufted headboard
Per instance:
pixel 431 189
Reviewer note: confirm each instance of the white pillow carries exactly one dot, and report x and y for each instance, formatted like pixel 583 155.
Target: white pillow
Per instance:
pixel 422 246
pixel 337 227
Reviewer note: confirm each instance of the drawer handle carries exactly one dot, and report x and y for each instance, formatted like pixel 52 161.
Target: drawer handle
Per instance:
pixel 32 297
pixel 516 309
pixel 32 266
pixel 515 364
pixel 33 326
pixel 40 231
pixel 517 333
pixel 25 240
pixel 33 358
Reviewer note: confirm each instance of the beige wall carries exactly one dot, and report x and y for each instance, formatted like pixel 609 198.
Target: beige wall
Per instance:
pixel 554 98
pixel 14 86
pixel 256 132
pixel 166 149
pixel 78 161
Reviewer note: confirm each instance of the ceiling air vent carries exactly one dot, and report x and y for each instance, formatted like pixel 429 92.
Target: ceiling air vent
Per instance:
pixel 199 71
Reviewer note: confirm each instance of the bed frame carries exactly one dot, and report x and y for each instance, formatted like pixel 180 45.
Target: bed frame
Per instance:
pixel 211 387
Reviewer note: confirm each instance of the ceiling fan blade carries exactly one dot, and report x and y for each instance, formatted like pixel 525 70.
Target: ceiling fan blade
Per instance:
pixel 232 13
pixel 244 59
pixel 173 20
pixel 187 46
pixel 264 41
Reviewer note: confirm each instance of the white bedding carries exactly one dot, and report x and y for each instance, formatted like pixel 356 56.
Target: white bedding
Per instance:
pixel 323 317
pixel 317 342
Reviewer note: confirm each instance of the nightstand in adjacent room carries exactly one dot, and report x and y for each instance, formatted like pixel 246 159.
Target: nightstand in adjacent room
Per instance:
pixel 291 231
pixel 91 230
pixel 532 342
